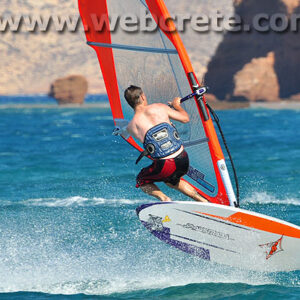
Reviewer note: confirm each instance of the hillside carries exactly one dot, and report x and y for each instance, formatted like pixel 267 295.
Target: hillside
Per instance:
pixel 258 65
pixel 31 61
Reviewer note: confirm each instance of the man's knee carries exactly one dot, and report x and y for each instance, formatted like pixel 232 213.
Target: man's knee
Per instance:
pixel 145 188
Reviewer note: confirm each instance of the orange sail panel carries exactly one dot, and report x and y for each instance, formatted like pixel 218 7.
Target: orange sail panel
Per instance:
pixel 158 63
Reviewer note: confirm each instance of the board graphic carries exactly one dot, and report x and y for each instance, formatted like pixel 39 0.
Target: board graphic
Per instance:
pixel 225 235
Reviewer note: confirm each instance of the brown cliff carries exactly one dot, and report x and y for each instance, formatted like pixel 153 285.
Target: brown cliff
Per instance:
pixel 69 90
pixel 257 80
pixel 254 65
pixel 26 56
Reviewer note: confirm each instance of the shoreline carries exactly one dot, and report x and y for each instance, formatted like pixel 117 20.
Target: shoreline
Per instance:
pixel 54 106
pixel 215 104
pixel 279 105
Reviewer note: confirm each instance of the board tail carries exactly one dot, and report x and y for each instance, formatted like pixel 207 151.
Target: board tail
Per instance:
pixel 158 62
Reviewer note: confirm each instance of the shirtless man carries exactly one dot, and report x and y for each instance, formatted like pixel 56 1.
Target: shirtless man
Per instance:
pixel 151 125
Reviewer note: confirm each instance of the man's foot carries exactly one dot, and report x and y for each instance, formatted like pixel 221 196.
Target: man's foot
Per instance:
pixel 166 199
pixel 199 198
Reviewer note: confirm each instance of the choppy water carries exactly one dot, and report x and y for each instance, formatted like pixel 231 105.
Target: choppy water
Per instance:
pixel 68 226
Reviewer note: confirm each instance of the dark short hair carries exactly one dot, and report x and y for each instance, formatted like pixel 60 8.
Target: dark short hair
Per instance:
pixel 132 95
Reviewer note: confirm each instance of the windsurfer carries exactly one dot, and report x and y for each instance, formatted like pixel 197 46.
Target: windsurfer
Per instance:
pixel 151 125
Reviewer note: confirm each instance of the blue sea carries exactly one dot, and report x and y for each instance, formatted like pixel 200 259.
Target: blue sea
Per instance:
pixel 68 227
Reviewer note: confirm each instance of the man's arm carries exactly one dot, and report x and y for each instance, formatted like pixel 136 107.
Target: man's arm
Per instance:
pixel 178 113
pixel 133 131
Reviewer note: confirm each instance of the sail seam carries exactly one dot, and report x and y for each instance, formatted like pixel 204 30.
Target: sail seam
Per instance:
pixel 196 142
pixel 134 48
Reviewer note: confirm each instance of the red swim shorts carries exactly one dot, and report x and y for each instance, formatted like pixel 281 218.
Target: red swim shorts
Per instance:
pixel 165 170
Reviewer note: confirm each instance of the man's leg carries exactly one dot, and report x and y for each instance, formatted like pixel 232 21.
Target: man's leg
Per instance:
pixel 153 190
pixel 185 188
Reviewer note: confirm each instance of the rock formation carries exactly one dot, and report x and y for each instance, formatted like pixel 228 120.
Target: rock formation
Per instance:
pixel 257 80
pixel 69 90
pixel 255 65
pixel 26 56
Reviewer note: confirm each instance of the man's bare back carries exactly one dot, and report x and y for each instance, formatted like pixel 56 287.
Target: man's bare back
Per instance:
pixel 168 165
pixel 148 116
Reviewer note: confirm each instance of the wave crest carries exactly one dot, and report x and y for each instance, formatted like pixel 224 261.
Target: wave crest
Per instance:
pixel 265 198
pixel 74 201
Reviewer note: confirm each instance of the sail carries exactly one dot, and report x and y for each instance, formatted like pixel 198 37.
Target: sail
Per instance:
pixel 158 63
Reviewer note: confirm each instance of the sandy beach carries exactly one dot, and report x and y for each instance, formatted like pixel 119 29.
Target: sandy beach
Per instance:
pixel 277 105
pixel 215 104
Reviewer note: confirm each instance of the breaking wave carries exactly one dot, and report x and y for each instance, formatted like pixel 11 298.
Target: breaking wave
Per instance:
pixel 75 201
pixel 265 198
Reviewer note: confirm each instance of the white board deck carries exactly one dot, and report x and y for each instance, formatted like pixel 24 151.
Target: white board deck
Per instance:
pixel 225 235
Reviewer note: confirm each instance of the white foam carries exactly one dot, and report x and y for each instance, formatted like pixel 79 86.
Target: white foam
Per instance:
pixel 265 198
pixel 147 277
pixel 46 255
pixel 254 198
pixel 78 201
pixel 7 154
